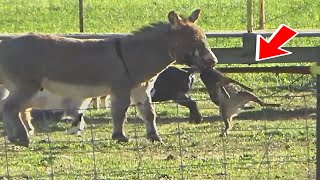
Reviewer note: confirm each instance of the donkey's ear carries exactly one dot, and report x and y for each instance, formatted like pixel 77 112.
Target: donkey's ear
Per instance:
pixel 174 19
pixel 194 15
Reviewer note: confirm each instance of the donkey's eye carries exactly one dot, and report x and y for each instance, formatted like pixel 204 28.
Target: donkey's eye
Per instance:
pixel 196 52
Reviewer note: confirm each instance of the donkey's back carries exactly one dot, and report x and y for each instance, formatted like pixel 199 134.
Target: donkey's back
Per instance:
pixel 44 59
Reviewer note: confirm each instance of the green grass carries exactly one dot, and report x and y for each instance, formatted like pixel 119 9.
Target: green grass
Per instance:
pixel 254 149
pixel 264 144
pixel 59 16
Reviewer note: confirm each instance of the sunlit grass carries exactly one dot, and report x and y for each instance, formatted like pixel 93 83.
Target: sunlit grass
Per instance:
pixel 264 143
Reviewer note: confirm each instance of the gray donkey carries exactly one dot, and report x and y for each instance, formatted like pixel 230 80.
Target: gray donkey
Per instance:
pixel 89 68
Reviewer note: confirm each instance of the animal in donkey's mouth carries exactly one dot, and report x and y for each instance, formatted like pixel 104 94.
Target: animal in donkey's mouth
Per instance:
pixel 89 68
pixel 229 104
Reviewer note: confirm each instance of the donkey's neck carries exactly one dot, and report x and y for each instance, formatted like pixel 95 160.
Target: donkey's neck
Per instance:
pixel 146 56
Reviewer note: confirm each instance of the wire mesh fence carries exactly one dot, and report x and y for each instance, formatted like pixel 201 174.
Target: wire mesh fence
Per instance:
pixel 265 143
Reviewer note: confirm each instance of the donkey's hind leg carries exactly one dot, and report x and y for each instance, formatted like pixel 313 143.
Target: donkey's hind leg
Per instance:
pixel 147 113
pixel 16 130
pixel 141 97
pixel 120 101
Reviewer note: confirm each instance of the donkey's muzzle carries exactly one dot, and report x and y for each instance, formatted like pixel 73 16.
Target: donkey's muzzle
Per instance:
pixel 210 59
pixel 211 63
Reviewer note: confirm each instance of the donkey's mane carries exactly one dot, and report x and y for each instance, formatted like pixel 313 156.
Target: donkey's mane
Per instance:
pixel 156 27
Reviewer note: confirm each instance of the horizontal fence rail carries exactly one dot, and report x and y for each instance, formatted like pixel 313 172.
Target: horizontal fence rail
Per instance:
pixel 241 56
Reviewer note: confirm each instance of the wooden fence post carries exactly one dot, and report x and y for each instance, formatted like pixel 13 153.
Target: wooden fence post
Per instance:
pixel 262 15
pixel 81 15
pixel 249 16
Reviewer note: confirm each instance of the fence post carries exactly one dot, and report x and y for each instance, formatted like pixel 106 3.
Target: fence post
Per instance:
pixel 81 15
pixel 318 128
pixel 249 16
pixel 262 15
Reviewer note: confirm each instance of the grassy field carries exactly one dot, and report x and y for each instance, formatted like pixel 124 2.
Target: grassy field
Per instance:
pixel 264 144
pixel 255 149
pixel 59 16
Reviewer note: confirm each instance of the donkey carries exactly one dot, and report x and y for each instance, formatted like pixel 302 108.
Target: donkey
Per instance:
pixel 112 66
pixel 229 95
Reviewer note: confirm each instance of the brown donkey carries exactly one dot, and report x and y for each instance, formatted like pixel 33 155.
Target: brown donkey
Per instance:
pixel 229 95
pixel 89 68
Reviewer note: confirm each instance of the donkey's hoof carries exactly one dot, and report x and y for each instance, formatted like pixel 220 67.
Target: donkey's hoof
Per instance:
pixel 120 137
pixel 22 143
pixel 19 137
pixel 19 142
pixel 197 119
pixel 154 137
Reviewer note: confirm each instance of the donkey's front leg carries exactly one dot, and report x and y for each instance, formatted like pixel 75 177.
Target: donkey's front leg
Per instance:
pixel 120 101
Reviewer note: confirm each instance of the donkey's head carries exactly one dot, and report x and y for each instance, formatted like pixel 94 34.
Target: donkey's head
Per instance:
pixel 188 42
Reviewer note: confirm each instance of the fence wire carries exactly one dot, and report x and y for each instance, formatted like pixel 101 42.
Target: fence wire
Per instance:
pixel 265 143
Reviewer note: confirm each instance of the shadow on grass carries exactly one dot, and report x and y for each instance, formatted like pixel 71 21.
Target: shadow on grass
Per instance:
pixel 48 122
pixel 268 114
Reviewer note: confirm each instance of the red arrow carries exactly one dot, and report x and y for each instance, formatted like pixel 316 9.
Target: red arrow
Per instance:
pixel 272 48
